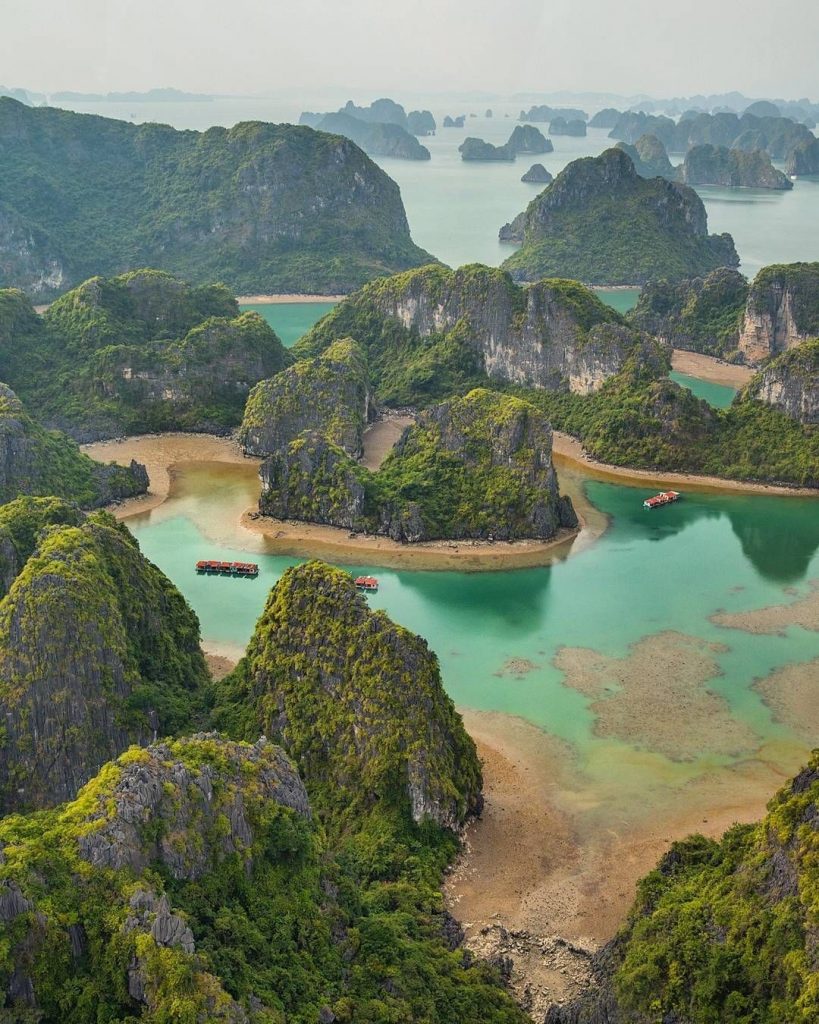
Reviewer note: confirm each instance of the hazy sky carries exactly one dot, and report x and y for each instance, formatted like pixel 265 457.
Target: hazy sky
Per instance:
pixel 363 47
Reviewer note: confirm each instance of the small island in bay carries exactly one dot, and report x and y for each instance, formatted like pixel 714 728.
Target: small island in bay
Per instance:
pixel 563 126
pixel 537 174
pixel 601 222
pixel 476 150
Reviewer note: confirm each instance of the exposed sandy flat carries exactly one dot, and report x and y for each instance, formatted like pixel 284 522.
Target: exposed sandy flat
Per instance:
pixel 270 300
pixel 657 697
pixel 380 438
pixel 776 618
pixel 567 450
pixel 558 851
pixel 161 454
pixel 716 371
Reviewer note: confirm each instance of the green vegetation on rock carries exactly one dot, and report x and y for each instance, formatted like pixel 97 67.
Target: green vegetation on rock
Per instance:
pixel 98 649
pixel 790 382
pixel 263 207
pixel 357 702
pixel 602 223
pixel 700 315
pixel 330 394
pixel 721 932
pixel 143 352
pixel 717 165
pixel 37 461
pixel 433 333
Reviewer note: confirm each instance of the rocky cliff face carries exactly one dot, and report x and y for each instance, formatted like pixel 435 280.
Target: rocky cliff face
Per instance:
pixel 778 136
pixel 39 462
pixel 732 168
pixel 562 126
pixel 537 174
pixel 265 208
pixel 357 701
pixel 477 149
pixel 804 159
pixel 691 950
pixel 434 325
pixel 139 353
pixel 782 310
pixel 329 394
pixel 97 650
pixel 376 139
pixel 313 480
pixel 525 138
pixel 600 222
pixel 790 382
pixel 700 315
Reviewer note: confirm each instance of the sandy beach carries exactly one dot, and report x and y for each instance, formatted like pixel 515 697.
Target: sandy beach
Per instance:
pixel 162 454
pixel 716 371
pixel 269 300
pixel 567 450
pixel 557 852
pixel 165 455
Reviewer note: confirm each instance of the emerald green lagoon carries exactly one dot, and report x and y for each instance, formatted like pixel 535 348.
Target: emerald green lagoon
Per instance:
pixel 652 576
pixel 290 319
pixel 718 395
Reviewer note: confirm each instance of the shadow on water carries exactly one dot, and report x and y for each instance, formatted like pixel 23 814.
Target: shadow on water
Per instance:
pixel 778 537
pixel 486 597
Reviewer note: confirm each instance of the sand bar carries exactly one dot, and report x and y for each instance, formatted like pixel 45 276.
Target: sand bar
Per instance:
pixel 715 371
pixel 272 300
pixel 567 450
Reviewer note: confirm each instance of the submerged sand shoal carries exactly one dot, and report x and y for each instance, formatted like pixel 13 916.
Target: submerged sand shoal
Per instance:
pixel 715 371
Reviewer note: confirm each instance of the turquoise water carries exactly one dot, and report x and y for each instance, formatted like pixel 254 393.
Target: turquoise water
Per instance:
pixel 718 395
pixel 455 209
pixel 290 319
pixel 650 573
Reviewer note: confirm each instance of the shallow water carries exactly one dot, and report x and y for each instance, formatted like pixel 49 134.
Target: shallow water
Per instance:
pixel 662 572
pixel 718 395
pixel 290 319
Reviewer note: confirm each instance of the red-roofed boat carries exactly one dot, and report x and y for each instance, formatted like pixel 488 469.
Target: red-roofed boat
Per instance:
pixel 210 567
pixel 663 498
pixel 369 583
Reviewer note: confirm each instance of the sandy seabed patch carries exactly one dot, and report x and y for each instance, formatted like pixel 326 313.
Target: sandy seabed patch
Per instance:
pixel 657 697
pixel 792 695
pixel 775 618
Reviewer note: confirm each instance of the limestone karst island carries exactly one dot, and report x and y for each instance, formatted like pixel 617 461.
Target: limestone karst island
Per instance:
pixel 409 513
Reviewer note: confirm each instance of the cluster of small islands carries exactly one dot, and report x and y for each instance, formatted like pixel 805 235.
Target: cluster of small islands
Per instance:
pixel 269 846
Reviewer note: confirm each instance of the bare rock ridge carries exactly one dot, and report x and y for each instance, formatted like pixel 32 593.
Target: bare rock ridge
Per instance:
pixel 602 223
pixel 554 334
pixel 97 650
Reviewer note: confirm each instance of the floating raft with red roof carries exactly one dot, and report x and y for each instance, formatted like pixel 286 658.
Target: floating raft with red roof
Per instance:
pixel 664 498
pixel 207 567
pixel 366 583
